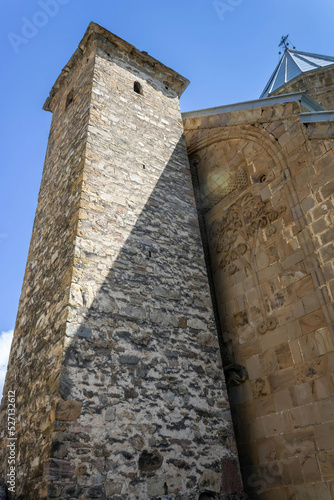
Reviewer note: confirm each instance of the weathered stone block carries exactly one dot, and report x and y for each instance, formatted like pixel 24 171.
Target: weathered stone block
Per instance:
pixel 325 436
pixel 302 394
pixel 58 470
pixel 283 400
pixel 274 424
pixel 310 370
pixel 323 388
pixel 112 488
pixel 231 482
pixel 282 379
pixel 156 487
pixel 283 356
pixel 150 460
pixel 96 491
pixel 254 367
pixel 265 406
pixel 310 468
pixel 326 463
pixel 292 471
pixel 328 189
pixel 68 411
pixel 304 416
pixel 295 443
pixel 312 322
pixel 260 387
pixel 325 410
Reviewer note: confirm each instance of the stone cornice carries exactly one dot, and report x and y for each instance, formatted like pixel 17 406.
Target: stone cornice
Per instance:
pixel 303 97
pixel 152 66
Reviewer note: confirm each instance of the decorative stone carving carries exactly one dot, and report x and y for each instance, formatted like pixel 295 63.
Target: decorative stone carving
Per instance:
pixel 271 230
pixel 235 374
pixel 242 221
pixel 244 218
pixel 235 238
pixel 267 324
pixel 223 184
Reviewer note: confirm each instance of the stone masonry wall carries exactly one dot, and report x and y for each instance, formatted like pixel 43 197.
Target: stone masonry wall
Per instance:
pixel 141 343
pixel 36 354
pixel 319 84
pixel 267 196
pixel 115 359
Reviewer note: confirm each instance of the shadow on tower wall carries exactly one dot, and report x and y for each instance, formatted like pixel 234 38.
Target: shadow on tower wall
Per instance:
pixel 144 404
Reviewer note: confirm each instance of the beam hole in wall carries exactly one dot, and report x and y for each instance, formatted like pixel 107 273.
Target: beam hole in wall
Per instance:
pixel 207 495
pixel 138 88
pixel 69 99
pixel 144 166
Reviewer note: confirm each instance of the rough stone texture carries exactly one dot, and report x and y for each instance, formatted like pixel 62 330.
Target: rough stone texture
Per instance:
pixel 265 193
pixel 120 393
pixel 38 345
pixel 68 410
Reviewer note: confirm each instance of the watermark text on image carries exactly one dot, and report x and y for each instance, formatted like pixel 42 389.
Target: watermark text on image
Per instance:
pixel 32 25
pixel 225 7
pixel 11 442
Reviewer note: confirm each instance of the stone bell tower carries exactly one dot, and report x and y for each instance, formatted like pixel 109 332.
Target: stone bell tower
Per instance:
pixel 115 366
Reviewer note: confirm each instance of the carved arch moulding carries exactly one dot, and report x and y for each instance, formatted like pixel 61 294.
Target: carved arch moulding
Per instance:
pixel 248 132
pixel 229 161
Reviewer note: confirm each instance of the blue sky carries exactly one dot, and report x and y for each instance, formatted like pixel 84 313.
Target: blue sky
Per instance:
pixel 227 49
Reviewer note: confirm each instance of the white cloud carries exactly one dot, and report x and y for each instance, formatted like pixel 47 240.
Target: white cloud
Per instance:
pixel 5 343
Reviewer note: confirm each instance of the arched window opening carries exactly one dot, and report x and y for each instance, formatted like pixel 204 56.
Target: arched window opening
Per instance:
pixel 138 88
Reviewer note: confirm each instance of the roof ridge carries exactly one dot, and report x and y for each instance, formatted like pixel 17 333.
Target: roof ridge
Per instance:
pixel 312 54
pixel 292 64
pixel 305 60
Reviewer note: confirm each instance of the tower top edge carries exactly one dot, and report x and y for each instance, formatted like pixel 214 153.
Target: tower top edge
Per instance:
pixel 95 31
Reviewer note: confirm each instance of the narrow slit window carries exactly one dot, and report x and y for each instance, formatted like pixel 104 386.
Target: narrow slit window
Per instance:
pixel 138 88
pixel 69 99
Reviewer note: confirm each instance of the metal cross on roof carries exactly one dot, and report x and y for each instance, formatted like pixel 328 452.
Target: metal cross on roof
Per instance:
pixel 284 41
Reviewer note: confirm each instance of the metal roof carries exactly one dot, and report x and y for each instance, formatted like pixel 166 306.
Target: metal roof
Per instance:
pixel 318 116
pixel 307 101
pixel 292 64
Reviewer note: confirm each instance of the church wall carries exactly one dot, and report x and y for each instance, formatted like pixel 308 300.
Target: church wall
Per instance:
pixel 115 363
pixel 266 195
pixel 319 84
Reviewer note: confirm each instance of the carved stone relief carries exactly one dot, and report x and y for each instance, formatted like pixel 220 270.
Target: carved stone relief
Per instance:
pixel 223 184
pixel 235 237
